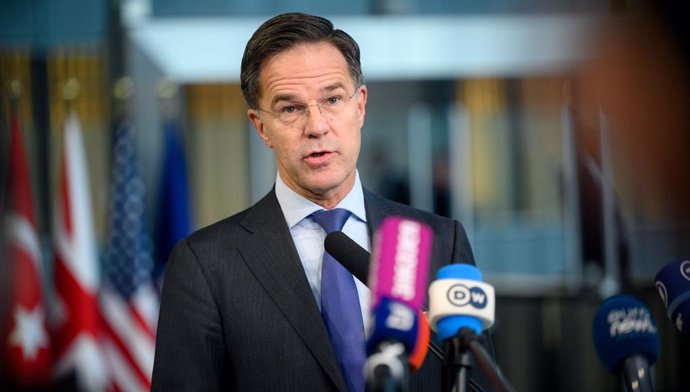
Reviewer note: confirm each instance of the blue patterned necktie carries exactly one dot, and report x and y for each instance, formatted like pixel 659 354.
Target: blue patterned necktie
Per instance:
pixel 340 306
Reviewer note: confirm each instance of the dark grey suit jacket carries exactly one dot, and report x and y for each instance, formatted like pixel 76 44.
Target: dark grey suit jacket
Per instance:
pixel 237 313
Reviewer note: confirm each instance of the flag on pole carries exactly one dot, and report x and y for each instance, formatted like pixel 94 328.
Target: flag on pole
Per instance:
pixel 77 323
pixel 129 301
pixel 25 341
pixel 174 212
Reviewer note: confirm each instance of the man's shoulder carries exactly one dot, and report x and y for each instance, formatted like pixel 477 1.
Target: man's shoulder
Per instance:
pixel 225 228
pixel 241 223
pixel 380 207
pixel 450 244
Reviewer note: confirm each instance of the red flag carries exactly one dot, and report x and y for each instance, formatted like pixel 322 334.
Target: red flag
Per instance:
pixel 25 341
pixel 77 332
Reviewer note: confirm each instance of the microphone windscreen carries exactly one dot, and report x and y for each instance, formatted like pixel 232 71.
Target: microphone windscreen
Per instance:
pixel 349 254
pixel 458 298
pixel 393 320
pixel 623 327
pixel 673 285
pixel 400 261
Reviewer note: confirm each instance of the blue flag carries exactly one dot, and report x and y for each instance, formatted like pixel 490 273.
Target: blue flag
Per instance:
pixel 174 214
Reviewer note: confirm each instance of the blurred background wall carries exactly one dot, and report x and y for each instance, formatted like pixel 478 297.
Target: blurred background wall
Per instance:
pixel 481 111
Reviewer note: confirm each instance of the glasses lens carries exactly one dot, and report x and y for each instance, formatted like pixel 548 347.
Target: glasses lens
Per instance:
pixel 294 115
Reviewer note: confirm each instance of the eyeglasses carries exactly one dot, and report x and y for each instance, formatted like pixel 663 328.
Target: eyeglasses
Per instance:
pixel 296 114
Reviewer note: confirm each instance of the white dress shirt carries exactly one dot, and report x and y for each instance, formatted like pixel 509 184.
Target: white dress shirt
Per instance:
pixel 308 236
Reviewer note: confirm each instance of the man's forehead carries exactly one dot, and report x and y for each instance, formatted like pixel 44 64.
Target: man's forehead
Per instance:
pixel 297 93
pixel 303 71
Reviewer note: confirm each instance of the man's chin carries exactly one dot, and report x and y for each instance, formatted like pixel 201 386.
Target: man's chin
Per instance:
pixel 324 187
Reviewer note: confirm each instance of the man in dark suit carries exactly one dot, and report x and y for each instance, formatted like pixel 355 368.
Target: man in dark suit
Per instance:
pixel 241 305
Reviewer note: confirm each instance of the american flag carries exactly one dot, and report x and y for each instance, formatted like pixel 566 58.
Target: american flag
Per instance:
pixel 24 348
pixel 129 301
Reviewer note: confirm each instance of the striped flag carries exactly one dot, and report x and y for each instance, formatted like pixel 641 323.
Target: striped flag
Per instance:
pixel 76 316
pixel 174 212
pixel 129 301
pixel 25 341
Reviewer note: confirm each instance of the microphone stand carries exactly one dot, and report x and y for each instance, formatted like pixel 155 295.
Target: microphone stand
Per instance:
pixel 459 352
pixel 458 364
pixel 387 368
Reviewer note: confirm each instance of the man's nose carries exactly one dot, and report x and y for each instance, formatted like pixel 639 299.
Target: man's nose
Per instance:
pixel 317 121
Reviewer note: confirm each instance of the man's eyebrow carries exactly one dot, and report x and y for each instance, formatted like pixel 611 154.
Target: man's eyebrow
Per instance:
pixel 292 97
pixel 282 97
pixel 334 86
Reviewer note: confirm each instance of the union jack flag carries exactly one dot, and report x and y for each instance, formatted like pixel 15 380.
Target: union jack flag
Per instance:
pixel 75 314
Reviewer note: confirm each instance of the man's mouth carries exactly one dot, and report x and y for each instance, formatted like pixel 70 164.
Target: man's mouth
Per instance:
pixel 318 158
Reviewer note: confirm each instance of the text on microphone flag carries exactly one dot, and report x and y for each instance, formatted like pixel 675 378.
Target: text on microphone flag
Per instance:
pixel 402 249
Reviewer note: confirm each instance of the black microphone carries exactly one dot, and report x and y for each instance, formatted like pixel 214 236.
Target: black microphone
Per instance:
pixel 348 253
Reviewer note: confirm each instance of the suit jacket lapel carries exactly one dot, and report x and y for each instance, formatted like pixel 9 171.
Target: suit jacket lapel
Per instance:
pixel 377 209
pixel 273 259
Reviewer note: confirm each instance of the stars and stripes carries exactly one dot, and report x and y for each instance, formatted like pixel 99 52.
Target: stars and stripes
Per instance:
pixel 129 300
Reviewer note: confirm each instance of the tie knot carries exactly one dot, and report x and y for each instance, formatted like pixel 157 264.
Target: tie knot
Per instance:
pixel 331 220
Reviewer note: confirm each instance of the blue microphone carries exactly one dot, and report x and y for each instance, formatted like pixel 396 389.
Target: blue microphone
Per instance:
pixel 461 306
pixel 626 340
pixel 458 298
pixel 673 284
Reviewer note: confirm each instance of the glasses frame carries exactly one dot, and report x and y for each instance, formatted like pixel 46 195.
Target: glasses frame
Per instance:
pixel 307 110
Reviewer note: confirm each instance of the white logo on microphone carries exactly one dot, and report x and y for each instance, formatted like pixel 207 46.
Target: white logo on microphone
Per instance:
pixel 685 269
pixel 662 292
pixel 400 317
pixel 460 295
pixel 632 320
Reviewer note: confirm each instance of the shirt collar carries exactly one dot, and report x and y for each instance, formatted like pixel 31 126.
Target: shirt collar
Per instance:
pixel 295 207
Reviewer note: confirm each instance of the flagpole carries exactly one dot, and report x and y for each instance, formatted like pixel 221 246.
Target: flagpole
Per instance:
pixel 168 92
pixel 78 326
pixel 123 89
pixel 70 93
pixel 24 341
pixel 15 91
pixel 174 219
pixel 129 302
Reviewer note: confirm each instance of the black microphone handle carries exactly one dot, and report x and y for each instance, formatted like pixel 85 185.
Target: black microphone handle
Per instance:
pixel 636 375
pixel 349 254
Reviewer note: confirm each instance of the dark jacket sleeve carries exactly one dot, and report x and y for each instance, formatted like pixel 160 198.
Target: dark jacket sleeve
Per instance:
pixel 190 353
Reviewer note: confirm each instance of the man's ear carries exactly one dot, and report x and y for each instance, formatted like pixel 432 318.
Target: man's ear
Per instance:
pixel 361 104
pixel 259 126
